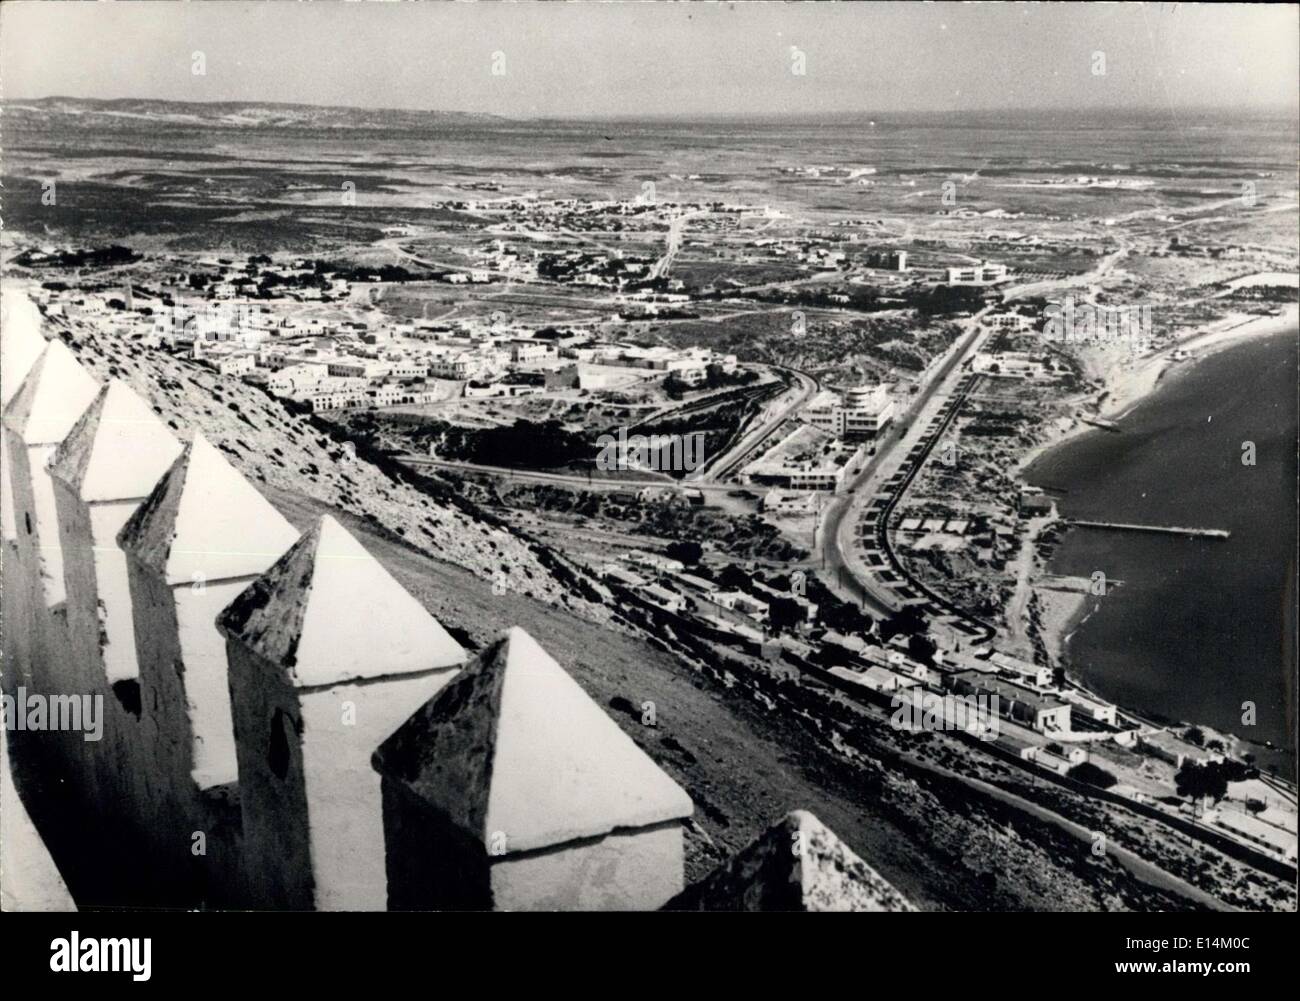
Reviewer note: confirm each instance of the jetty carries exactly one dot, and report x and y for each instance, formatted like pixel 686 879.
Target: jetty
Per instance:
pixel 1101 422
pixel 1204 533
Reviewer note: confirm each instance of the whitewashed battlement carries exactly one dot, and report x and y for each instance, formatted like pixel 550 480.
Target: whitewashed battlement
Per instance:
pixel 249 676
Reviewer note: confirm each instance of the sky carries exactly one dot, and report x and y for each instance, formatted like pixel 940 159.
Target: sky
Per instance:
pixel 628 59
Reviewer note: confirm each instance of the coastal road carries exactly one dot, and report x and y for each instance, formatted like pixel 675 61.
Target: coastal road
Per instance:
pixel 846 570
pixel 1137 866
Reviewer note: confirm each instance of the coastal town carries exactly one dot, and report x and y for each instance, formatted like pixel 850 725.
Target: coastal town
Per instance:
pixel 907 486
pixel 673 482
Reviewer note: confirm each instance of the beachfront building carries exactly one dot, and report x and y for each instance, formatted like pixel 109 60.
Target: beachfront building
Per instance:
pixel 863 412
pixel 1009 364
pixel 1044 713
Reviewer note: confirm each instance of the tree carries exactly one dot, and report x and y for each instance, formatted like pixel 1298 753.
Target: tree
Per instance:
pixel 922 648
pixel 1198 781
pixel 784 614
pixel 909 622
pixel 1092 775
pixel 689 553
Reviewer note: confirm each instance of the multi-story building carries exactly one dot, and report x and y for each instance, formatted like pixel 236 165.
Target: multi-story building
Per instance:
pixel 690 375
pixel 408 368
pixel 525 351
pixel 460 366
pixel 890 260
pixel 863 412
pixel 233 364
pixel 980 274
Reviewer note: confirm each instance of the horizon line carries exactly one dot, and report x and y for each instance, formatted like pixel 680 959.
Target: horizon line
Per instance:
pixel 1258 109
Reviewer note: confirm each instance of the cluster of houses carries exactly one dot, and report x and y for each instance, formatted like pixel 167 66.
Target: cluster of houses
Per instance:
pixel 331 363
pixel 743 608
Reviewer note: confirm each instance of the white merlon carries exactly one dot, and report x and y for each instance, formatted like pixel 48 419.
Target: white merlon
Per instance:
pixel 519 760
pixel 52 398
pixel 301 615
pixel 328 655
pixel 21 343
pixel 206 522
pixel 112 458
pixel 41 413
pixel 194 543
pixel 798 864
pixel 118 450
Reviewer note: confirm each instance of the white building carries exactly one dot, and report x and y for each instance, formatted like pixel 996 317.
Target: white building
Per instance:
pixel 980 274
pixel 460 366
pixel 1013 364
pixel 524 351
pixel 863 412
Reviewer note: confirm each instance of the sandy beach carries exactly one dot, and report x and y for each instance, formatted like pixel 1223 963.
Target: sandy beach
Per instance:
pixel 1061 611
pixel 1130 385
pixel 1128 382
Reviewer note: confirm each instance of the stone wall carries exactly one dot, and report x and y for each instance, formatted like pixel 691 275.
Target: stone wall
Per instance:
pixel 246 678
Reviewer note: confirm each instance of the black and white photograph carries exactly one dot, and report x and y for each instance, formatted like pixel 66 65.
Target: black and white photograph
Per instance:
pixel 639 457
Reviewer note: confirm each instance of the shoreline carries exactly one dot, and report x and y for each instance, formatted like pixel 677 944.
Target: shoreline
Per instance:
pixel 1129 387
pixel 1062 611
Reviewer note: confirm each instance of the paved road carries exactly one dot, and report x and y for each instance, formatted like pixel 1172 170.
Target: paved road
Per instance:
pixel 849 571
pixel 566 479
pixel 676 230
pixel 737 454
pixel 1137 866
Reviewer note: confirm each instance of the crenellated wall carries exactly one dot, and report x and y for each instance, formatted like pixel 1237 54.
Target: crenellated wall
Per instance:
pixel 249 679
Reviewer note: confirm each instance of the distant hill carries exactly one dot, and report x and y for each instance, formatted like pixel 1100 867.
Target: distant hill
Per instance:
pixel 133 112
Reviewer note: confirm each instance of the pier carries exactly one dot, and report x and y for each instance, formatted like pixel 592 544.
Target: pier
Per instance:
pixel 1203 533
pixel 1101 422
